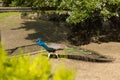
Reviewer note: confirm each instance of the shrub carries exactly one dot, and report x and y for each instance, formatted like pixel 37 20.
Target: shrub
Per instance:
pixel 27 68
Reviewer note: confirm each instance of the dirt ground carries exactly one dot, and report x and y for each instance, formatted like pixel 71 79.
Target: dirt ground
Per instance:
pixel 93 70
pixel 12 35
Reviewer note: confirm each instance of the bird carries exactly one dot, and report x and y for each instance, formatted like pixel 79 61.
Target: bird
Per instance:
pixel 48 49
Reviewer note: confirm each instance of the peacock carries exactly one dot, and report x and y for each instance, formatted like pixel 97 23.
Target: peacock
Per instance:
pixel 48 49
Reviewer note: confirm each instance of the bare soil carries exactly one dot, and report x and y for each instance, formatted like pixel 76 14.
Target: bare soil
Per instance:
pixel 93 70
pixel 14 33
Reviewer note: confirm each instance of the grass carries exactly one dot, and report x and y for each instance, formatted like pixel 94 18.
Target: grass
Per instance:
pixel 6 14
pixel 8 19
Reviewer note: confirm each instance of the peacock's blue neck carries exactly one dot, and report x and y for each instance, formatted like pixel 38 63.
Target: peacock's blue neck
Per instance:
pixel 40 43
pixel 45 46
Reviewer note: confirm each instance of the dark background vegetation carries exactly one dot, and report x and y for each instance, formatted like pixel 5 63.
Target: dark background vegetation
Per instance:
pixel 95 30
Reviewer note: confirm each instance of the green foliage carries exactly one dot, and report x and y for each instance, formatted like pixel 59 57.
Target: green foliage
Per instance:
pixel 27 68
pixel 21 3
pixel 45 3
pixel 79 10
pixel 35 3
pixel 7 2
pixel 83 9
pixel 58 75
pixel 110 8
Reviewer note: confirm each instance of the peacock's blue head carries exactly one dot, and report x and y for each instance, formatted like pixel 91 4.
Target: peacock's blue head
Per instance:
pixel 39 42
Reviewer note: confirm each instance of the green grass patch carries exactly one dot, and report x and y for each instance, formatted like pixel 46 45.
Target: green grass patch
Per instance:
pixel 7 14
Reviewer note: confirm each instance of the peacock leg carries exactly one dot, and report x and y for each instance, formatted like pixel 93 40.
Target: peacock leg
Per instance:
pixel 57 56
pixel 49 55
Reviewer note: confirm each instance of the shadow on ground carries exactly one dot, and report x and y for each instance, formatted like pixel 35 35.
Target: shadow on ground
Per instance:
pixel 45 30
pixel 91 30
